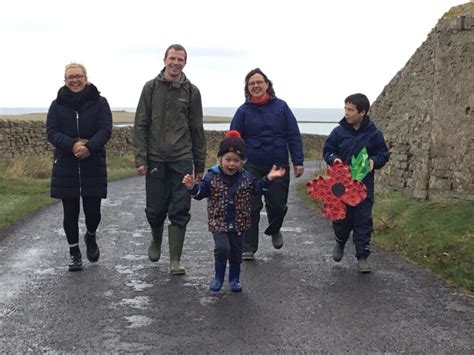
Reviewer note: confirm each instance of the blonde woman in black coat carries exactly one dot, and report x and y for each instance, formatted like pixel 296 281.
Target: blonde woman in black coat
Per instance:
pixel 78 125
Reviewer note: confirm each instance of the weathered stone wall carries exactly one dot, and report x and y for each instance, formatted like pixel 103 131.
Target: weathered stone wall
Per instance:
pixel 426 114
pixel 29 138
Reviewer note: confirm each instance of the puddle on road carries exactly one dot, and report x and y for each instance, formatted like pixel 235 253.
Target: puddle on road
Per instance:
pixel 50 271
pixel 138 321
pixel 297 230
pixel 209 300
pixel 139 302
pixel 138 285
pixel 127 269
pixel 135 257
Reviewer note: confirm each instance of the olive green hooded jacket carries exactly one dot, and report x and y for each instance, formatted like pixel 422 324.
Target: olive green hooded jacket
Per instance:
pixel 168 123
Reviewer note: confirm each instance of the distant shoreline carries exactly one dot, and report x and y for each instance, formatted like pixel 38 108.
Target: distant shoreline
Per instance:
pixel 126 118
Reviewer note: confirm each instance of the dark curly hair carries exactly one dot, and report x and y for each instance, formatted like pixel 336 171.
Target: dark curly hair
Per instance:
pixel 268 81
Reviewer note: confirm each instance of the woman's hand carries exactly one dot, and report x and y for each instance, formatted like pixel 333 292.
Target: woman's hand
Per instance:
pixel 82 152
pixel 276 172
pixel 188 181
pixel 298 170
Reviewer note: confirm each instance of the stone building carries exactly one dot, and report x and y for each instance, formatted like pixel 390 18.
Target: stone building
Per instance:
pixel 426 114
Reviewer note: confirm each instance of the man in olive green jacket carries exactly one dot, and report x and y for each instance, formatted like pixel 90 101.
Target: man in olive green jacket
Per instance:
pixel 168 139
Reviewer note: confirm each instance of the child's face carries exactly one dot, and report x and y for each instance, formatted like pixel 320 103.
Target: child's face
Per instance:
pixel 352 116
pixel 230 163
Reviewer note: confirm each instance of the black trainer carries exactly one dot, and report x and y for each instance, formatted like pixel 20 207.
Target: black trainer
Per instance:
pixel 75 264
pixel 92 252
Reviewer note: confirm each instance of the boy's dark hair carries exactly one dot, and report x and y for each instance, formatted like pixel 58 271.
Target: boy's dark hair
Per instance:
pixel 268 81
pixel 177 47
pixel 360 101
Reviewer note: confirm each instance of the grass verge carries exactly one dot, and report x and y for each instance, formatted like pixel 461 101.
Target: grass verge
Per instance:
pixel 24 184
pixel 437 234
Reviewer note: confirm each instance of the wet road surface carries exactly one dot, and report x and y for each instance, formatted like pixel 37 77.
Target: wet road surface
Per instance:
pixel 296 299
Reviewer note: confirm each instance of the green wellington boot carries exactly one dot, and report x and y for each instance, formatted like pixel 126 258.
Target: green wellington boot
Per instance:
pixel 154 251
pixel 176 241
pixel 363 265
pixel 338 252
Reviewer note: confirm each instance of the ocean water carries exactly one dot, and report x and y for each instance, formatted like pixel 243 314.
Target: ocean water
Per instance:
pixel 310 120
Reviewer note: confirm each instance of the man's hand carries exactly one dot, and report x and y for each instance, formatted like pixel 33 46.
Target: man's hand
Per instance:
pixel 141 170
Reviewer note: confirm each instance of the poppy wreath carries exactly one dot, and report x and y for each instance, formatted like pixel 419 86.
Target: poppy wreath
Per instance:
pixel 336 191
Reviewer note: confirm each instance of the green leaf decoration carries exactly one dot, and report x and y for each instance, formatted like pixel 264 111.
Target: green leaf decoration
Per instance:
pixel 360 165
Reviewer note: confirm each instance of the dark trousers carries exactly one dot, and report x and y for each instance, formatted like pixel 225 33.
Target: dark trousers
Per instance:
pixel 276 199
pixel 71 208
pixel 228 246
pixel 165 193
pixel 358 220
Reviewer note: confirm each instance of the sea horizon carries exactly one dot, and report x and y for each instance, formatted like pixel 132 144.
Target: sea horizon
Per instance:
pixel 310 120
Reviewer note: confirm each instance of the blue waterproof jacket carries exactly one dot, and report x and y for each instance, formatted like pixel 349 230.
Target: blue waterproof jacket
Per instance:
pixel 345 141
pixel 269 131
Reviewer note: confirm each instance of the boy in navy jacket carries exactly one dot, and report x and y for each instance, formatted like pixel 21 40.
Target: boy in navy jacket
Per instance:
pixel 356 131
pixel 229 189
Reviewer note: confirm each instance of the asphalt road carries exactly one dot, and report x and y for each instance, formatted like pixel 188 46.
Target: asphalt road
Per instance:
pixel 296 299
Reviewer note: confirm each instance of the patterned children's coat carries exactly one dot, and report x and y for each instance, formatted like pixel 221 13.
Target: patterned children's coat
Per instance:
pixel 229 198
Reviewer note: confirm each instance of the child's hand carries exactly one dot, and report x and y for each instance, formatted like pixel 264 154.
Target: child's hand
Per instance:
pixel 277 171
pixel 188 181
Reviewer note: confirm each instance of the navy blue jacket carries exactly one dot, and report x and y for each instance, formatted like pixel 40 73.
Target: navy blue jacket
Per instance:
pixel 269 131
pixel 229 198
pixel 71 120
pixel 345 141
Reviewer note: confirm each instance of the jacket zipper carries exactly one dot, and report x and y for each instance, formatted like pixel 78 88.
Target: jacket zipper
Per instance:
pixel 79 160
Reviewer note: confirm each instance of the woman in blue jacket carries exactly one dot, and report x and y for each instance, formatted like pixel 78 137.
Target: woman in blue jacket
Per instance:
pixel 269 130
pixel 78 125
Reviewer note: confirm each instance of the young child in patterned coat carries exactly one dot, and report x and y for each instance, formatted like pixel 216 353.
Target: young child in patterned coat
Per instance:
pixel 229 189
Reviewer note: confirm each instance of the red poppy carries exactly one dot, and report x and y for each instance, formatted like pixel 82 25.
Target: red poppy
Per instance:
pixel 336 191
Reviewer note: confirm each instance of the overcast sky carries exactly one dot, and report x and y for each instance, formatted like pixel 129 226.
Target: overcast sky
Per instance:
pixel 315 52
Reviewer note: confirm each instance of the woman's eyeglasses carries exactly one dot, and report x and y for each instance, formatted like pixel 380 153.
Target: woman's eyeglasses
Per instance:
pixel 256 82
pixel 75 77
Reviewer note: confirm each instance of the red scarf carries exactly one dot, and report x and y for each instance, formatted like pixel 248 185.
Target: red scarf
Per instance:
pixel 261 101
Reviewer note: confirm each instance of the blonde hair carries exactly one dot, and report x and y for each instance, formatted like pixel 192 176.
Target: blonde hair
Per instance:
pixel 76 65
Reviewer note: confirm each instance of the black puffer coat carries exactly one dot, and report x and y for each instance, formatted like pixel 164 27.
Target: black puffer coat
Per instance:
pixel 74 116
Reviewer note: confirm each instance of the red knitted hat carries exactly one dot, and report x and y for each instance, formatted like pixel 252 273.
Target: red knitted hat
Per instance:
pixel 232 142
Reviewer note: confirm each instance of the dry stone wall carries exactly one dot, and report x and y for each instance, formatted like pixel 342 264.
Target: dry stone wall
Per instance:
pixel 426 114
pixel 19 138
